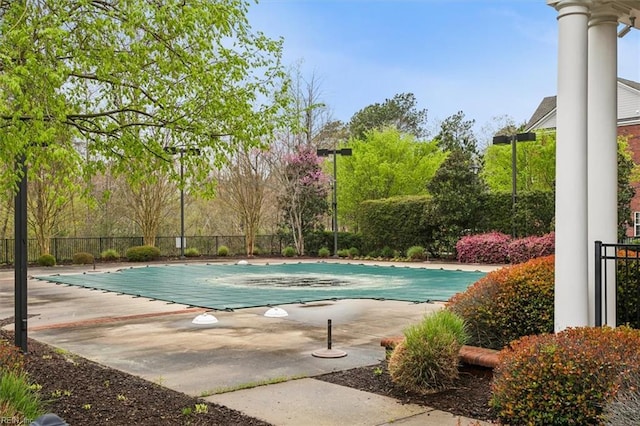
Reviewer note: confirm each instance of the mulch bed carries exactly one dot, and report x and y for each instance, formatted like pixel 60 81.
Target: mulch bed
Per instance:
pixel 83 392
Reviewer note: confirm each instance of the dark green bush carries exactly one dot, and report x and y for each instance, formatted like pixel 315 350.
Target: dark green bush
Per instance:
pixel 191 252
pixel 46 260
pixel 344 253
pixel 416 253
pixel 427 359
pixel 563 378
pixel 535 212
pixel 508 303
pixel 354 252
pixel 223 251
pixel 110 254
pixel 288 251
pixel 324 252
pixel 83 258
pixel 399 222
pixel 387 252
pixel 142 253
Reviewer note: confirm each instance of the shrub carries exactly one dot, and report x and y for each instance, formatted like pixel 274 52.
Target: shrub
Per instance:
pixel 427 359
pixel 353 252
pixel 343 253
pixel 288 251
pixel 508 303
pixel 142 253
pixel 416 253
pixel 483 248
pixel 223 251
pixel 387 252
pixel 528 248
pixel 83 258
pixel 191 252
pixel 324 252
pixel 46 260
pixel 374 254
pixel 18 399
pixel 110 254
pixel 563 378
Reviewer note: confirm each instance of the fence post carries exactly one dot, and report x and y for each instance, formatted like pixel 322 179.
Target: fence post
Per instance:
pixel 598 283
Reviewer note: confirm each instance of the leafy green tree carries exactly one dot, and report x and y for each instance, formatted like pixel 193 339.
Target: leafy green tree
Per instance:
pixel 456 191
pixel 106 71
pixel 50 194
pixel 384 164
pixel 457 133
pixel 400 112
pixel 535 165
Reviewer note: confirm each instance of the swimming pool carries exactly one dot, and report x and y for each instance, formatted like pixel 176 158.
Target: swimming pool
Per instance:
pixel 235 286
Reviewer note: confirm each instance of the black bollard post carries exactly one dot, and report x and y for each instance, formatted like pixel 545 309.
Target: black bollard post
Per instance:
pixel 329 353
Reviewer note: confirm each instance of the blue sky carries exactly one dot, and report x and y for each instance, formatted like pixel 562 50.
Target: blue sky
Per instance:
pixel 487 58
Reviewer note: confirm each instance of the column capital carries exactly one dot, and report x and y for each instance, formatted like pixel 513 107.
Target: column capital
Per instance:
pixel 571 7
pixel 606 13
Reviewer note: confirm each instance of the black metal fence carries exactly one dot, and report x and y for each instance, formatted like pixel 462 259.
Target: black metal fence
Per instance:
pixel 63 249
pixel 621 261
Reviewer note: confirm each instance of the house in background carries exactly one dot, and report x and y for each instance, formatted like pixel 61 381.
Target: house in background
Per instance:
pixel 628 125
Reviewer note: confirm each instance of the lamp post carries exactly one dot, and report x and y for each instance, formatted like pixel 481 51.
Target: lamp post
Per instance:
pixel 326 153
pixel 21 252
pixel 20 257
pixel 182 151
pixel 513 139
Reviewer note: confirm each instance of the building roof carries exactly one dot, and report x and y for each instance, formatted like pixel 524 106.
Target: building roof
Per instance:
pixel 549 104
pixel 630 83
pixel 546 107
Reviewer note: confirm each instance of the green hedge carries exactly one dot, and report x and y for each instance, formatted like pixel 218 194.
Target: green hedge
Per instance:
pixel 403 222
pixel 399 222
pixel 535 212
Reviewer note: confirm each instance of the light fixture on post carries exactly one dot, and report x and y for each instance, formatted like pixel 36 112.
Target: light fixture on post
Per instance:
pixel 512 139
pixel 182 151
pixel 623 32
pixel 325 153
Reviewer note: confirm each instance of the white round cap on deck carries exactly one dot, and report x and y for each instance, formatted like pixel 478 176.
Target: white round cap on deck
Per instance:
pixel 204 319
pixel 242 262
pixel 276 313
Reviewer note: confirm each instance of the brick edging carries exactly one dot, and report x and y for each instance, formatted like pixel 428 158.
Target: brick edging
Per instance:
pixel 471 355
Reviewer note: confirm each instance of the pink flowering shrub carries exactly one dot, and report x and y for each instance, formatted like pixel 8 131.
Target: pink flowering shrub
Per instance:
pixel 495 247
pixel 484 248
pixel 524 249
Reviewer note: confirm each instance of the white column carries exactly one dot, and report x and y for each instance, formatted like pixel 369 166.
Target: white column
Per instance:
pixel 602 163
pixel 571 297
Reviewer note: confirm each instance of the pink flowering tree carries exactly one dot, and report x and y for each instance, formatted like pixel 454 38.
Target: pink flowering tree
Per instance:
pixel 304 193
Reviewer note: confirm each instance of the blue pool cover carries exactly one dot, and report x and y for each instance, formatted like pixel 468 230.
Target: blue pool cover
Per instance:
pixel 233 286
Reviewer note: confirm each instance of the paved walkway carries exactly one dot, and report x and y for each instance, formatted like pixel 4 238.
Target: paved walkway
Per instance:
pixel 158 341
